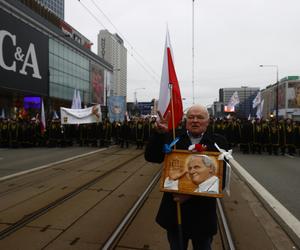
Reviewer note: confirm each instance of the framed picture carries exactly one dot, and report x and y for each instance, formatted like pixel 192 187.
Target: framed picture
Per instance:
pixel 192 173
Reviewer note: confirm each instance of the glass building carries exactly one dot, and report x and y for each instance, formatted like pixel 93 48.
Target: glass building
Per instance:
pixel 68 70
pixel 56 6
pixel 39 61
pixel 246 95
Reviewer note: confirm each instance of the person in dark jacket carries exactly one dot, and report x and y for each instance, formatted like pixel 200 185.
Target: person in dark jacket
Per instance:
pixel 198 213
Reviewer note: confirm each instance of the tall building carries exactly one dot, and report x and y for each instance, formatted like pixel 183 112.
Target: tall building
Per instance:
pixel 246 96
pixel 38 60
pixel 56 6
pixel 111 48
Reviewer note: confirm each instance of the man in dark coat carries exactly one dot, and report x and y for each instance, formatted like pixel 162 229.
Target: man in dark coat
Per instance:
pixel 199 218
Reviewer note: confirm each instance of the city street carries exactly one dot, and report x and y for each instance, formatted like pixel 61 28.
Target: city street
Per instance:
pixel 278 174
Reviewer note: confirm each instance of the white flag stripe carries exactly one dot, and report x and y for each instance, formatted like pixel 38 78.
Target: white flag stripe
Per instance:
pixel 260 109
pixel 43 118
pixel 78 100
pixel 164 93
pixel 74 99
pixel 257 100
pixel 234 100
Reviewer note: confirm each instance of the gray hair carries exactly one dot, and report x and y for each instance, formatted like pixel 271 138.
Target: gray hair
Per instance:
pixel 199 106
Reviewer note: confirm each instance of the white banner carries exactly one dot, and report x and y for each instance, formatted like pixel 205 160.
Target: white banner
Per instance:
pixel 81 116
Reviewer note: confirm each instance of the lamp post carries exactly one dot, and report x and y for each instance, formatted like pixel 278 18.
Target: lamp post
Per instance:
pixel 277 83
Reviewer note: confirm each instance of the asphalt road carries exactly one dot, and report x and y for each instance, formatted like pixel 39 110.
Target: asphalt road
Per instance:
pixel 278 174
pixel 16 160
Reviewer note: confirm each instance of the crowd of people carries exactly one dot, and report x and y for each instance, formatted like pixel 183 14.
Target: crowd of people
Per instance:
pixel 15 133
pixel 260 135
pixel 249 136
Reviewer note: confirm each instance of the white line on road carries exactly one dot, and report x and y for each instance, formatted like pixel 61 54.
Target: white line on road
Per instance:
pixel 290 156
pixel 49 165
pixel 292 224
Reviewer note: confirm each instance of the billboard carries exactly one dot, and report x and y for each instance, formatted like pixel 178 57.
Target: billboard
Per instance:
pixel 97 84
pixel 229 109
pixel 23 56
pixel 293 95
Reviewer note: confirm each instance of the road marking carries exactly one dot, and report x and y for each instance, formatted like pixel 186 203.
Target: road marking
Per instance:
pixel 290 156
pixel 49 165
pixel 291 223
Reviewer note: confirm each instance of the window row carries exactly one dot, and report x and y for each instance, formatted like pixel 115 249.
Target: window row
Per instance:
pixel 68 80
pixel 63 52
pixel 66 93
pixel 67 67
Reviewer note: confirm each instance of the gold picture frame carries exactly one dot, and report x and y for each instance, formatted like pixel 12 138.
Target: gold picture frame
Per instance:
pixel 199 173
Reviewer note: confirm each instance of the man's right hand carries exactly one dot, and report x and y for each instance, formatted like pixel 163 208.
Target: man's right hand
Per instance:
pixel 162 123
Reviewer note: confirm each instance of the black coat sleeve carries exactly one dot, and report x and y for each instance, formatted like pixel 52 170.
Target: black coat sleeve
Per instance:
pixel 154 149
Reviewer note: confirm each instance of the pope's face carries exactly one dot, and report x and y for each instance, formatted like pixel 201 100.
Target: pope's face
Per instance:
pixel 197 170
pixel 197 121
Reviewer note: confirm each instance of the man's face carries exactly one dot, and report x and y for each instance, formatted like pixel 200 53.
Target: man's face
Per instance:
pixel 197 121
pixel 197 171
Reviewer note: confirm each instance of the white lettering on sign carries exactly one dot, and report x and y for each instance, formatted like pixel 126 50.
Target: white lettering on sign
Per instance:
pixel 30 60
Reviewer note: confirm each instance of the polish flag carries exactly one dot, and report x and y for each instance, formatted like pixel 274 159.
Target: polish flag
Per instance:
pixel 168 77
pixel 43 118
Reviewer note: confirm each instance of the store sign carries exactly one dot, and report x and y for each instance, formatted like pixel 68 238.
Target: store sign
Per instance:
pixel 30 60
pixel 23 56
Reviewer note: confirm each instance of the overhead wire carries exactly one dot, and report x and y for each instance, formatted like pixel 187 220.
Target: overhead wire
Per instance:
pixel 118 31
pixel 142 63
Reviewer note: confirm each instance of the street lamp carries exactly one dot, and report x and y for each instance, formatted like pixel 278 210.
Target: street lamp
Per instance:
pixel 277 83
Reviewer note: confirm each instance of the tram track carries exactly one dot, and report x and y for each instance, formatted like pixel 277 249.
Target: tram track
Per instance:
pixel 26 219
pixel 119 232
pixel 124 197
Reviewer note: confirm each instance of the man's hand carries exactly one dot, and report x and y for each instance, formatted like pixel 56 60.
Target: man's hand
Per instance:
pixel 181 197
pixel 162 123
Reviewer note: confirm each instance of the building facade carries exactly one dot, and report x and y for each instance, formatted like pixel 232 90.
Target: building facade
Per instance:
pixel 111 48
pixel 38 60
pixel 244 108
pixel 56 6
pixel 288 98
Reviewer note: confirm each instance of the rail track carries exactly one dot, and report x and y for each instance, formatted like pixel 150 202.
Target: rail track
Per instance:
pixel 113 241
pixel 110 188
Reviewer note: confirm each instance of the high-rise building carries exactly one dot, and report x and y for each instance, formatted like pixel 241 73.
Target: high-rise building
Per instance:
pixel 111 48
pixel 39 60
pixel 245 95
pixel 56 6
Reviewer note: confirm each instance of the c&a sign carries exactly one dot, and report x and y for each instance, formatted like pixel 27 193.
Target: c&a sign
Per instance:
pixel 23 56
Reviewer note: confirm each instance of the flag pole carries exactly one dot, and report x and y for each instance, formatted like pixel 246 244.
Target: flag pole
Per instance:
pixel 172 111
pixel 179 220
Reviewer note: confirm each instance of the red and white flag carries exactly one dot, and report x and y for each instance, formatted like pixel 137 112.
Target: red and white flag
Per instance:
pixel 168 76
pixel 43 118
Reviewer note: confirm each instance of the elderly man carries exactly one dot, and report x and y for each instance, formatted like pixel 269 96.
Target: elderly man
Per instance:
pixel 199 218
